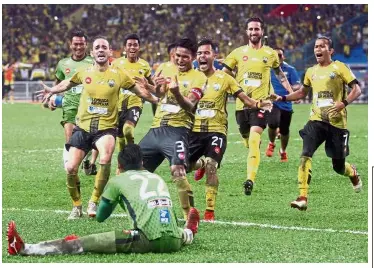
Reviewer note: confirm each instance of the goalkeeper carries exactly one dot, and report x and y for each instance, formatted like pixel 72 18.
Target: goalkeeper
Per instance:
pixel 146 199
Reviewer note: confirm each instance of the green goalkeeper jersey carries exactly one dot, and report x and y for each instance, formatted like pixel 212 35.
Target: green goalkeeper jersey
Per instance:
pixel 146 199
pixel 65 69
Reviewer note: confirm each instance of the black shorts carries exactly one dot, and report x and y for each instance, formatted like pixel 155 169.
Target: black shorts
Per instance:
pixel 248 118
pixel 280 118
pixel 315 133
pixel 85 141
pixel 133 114
pixel 206 144
pixel 161 142
pixel 7 88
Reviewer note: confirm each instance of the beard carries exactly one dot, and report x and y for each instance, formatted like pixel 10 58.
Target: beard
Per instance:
pixel 255 39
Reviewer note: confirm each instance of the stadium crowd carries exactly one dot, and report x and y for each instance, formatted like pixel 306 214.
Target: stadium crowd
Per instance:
pixel 39 36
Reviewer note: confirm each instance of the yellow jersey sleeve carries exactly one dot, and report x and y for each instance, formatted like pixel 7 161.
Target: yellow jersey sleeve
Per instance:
pixel 231 60
pixel 307 78
pixel 346 73
pixel 147 71
pixel 160 68
pixel 276 62
pixel 77 78
pixel 126 80
pixel 234 87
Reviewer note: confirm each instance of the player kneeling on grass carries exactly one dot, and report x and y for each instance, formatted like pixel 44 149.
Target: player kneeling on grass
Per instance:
pixel 145 197
pixel 328 118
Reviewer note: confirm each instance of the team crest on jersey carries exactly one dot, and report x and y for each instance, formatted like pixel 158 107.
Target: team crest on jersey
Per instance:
pixel 313 77
pixel 111 83
pixel 216 87
pixel 67 71
pixel 181 156
pixel 265 59
pixel 185 83
pixel 332 75
pixel 141 71
pixel 217 150
pixel 245 58
pixel 88 80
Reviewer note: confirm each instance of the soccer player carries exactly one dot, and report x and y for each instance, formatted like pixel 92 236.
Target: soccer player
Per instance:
pixel 69 103
pixel 154 226
pixel 130 106
pixel 253 62
pixel 209 132
pixel 179 91
pixel 328 118
pixel 9 70
pixel 281 114
pixel 96 120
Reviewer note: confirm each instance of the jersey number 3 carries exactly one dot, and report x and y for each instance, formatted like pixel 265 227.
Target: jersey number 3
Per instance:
pixel 144 194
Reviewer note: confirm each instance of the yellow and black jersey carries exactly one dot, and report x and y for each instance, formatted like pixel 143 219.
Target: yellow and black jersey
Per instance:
pixel 253 73
pixel 141 69
pixel 168 112
pixel 211 114
pixel 329 85
pixel 98 103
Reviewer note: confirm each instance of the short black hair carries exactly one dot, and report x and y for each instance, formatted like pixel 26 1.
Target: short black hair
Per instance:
pixel 78 33
pixel 131 36
pixel 170 47
pixel 130 158
pixel 208 41
pixel 188 44
pixel 328 39
pixel 255 19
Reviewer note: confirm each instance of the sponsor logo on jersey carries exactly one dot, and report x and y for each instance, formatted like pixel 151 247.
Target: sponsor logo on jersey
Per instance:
pixel 325 95
pixel 245 58
pixel 100 102
pixel 67 71
pixel 88 80
pixel 164 216
pixel 254 75
pixel 159 202
pixel 111 83
pixel 181 156
pixel 217 150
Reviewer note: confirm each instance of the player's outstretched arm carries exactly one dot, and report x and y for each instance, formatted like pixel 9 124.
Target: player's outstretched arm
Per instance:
pixel 47 92
pixel 296 95
pixel 187 103
pixel 143 93
pixel 283 79
pixel 251 103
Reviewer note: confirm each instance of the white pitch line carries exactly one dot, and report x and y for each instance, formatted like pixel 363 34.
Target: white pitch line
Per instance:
pixel 244 224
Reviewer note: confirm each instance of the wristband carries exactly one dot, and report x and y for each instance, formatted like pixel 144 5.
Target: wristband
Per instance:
pixel 284 98
pixel 345 103
pixel 58 101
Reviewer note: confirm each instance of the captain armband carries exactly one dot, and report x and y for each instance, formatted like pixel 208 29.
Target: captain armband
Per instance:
pixel 197 92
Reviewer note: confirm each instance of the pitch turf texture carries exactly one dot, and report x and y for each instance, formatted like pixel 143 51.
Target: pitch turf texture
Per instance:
pixel 260 228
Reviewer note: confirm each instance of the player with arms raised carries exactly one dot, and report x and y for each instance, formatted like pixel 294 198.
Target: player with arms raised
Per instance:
pixel 96 120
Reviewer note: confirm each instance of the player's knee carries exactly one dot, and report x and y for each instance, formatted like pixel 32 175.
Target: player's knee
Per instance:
pixel 272 125
pixel 211 172
pixel 284 131
pixel 105 158
pixel 178 171
pixel 181 183
pixel 71 168
pixel 339 166
pixel 128 130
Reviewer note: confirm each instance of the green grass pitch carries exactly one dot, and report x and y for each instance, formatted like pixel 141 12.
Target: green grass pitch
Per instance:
pixel 260 228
